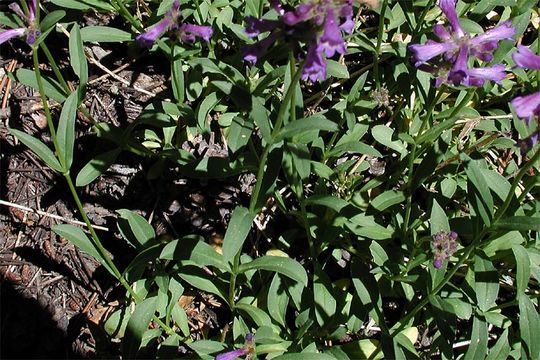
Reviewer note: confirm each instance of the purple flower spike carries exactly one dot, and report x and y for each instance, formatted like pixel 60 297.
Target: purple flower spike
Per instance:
pixel 525 58
pixel 429 50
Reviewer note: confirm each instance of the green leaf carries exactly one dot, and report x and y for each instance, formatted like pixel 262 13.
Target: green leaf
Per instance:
pixel 324 302
pixel 53 90
pixel 137 326
pixel 529 327
pixel 486 282
pixel 304 356
pixel 277 300
pixel 481 196
pixel 387 199
pixel 300 126
pixel 103 34
pixel 383 135
pixel 237 232
pixel 51 19
pixel 523 268
pixel 77 56
pixel 282 265
pixel 501 349
pixel 84 5
pixel 438 220
pixel 259 316
pixel 205 347
pixel 134 228
pixel 337 70
pixel 194 248
pixel 96 167
pixel 177 75
pixel 479 340
pixel 78 238
pixel 39 148
pixel 520 223
pixel 200 280
pixel 66 128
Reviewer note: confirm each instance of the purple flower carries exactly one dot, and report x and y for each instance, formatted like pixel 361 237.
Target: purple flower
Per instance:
pixel 456 47
pixel 249 348
pixel 170 21
pixel 31 30
pixel 527 107
pixel 443 245
pixel 315 23
pixel 525 58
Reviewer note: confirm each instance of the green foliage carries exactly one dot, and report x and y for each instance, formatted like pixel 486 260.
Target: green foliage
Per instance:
pixel 331 254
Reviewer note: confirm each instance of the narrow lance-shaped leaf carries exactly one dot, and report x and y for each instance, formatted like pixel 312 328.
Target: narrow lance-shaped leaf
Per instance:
pixel 66 129
pixel 137 326
pixel 237 232
pixel 77 56
pixel 39 148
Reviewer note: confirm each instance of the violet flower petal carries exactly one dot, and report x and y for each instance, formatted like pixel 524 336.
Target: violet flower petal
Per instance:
pixel 498 33
pixel 331 40
pixel 525 58
pixel 10 34
pixel 191 31
pixel 252 53
pixel 458 74
pixel 448 7
pixel 231 355
pixel 527 106
pixel 427 51
pixel 148 38
pixel 315 65
pixel 441 32
pixel 302 12
pixel 32 8
pixel 495 73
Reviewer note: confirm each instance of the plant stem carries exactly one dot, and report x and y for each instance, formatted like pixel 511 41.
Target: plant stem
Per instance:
pixel 96 241
pixel 127 15
pixel 55 68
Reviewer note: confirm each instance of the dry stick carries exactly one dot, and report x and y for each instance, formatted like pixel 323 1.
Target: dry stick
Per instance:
pixel 105 69
pixel 105 76
pixel 7 81
pixel 43 213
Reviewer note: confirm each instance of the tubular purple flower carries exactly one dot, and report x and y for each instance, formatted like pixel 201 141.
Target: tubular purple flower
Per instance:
pixel 231 355
pixel 186 32
pixel 527 107
pixel 148 38
pixel 448 7
pixel 425 52
pixel 525 58
pixel 315 65
pixel 302 13
pixel 32 9
pixel 189 32
pixel 10 34
pixel 254 52
pixel 331 40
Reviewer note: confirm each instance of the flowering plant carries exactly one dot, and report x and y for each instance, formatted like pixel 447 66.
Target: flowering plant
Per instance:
pixel 291 186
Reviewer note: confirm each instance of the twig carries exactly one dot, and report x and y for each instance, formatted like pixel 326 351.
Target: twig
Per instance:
pixel 43 213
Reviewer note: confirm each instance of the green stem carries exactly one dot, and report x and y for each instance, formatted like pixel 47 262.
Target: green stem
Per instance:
pixel 379 43
pixel 97 243
pixel 127 15
pixel 55 68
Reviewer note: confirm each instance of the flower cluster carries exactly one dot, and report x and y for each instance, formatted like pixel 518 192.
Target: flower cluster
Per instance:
pixel 456 47
pixel 248 349
pixel 317 23
pixel 170 22
pixel 527 107
pixel 443 245
pixel 31 30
